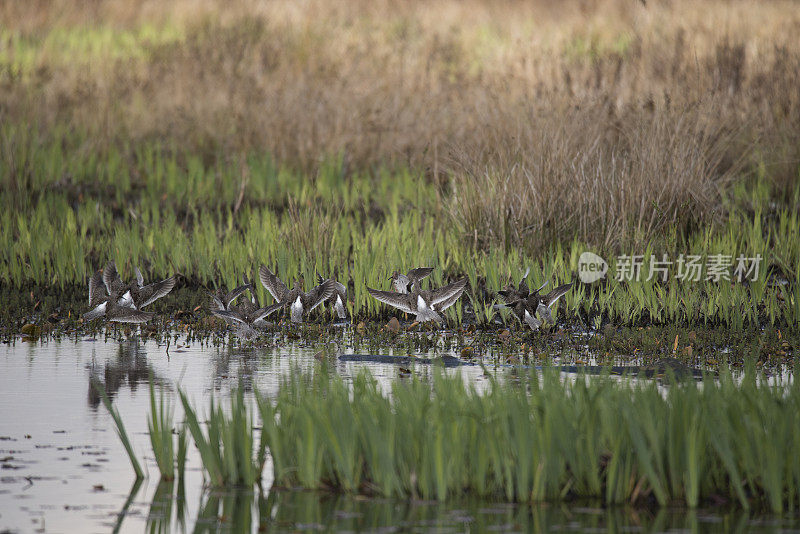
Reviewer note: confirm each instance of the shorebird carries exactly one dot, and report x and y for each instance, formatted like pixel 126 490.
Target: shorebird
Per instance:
pixel 547 301
pixel 111 305
pixel 147 294
pixel 114 284
pixel 122 302
pixel 403 283
pixel 425 305
pixel 521 291
pixel 135 295
pixel 246 315
pixel 221 299
pixel 298 301
pixel 339 296
pixel 526 305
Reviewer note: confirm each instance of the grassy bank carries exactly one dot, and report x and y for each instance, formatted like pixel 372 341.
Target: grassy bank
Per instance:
pixel 192 219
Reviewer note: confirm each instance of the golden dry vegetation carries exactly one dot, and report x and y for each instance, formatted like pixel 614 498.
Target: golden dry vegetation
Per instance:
pixel 604 121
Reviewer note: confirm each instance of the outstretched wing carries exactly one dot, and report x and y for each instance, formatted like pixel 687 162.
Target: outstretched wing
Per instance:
pixel 340 287
pixel 97 311
pixel 552 297
pixel 318 295
pixel 449 302
pixel 509 296
pixel 448 293
pixel 233 295
pixel 139 277
pixel 216 303
pixel 129 315
pixel 153 292
pixel 398 300
pixel 522 287
pixel 266 311
pixel 96 288
pixel 548 300
pixel 273 284
pixel 229 316
pixel 111 278
pixel 337 286
pixel 415 275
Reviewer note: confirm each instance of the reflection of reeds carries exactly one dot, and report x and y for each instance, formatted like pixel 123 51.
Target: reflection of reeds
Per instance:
pixel 234 510
pixel 137 484
pixel 159 517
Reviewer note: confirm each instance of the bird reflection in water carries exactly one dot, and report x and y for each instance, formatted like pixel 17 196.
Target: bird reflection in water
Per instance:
pixel 129 367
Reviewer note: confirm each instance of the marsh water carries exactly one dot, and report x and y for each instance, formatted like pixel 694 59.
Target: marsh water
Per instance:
pixel 63 468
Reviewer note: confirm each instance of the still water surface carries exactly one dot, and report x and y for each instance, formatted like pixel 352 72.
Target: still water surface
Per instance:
pixel 63 468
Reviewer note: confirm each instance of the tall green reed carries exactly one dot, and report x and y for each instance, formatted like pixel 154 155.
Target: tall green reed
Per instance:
pixel 538 437
pixel 227 446
pixel 119 427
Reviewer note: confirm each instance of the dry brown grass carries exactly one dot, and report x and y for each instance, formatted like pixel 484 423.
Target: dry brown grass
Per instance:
pixel 582 175
pixel 607 120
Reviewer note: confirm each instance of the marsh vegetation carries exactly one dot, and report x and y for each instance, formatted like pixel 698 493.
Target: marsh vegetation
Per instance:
pixel 531 436
pixel 475 137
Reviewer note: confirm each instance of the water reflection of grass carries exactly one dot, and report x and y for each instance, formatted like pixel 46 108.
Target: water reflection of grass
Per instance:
pixel 244 510
pixel 119 427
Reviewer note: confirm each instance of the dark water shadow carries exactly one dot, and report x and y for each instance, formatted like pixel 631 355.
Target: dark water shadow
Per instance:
pixel 129 368
pixel 250 510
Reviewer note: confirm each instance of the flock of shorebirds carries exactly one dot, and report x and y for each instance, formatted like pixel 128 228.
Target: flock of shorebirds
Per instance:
pixel 122 302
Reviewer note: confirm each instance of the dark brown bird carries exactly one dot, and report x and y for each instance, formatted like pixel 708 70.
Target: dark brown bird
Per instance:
pixel 526 305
